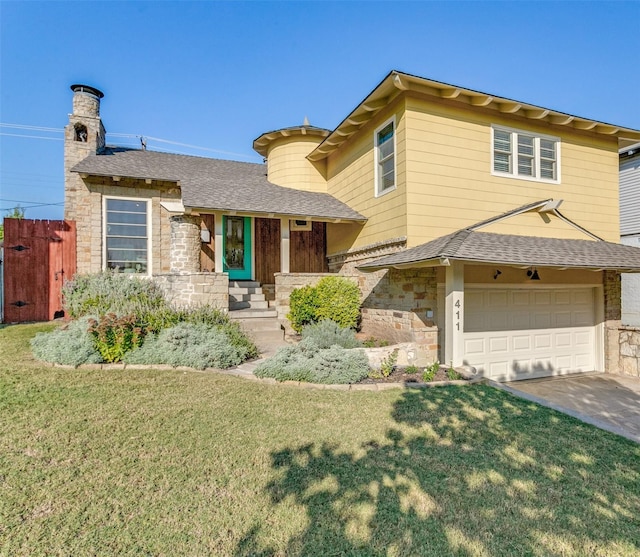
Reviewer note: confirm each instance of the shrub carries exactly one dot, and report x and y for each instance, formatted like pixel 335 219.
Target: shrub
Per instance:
pixel 190 344
pixel 307 362
pixel 111 292
pixel 328 333
pixel 335 298
pixel 338 300
pixel 114 336
pixel 303 304
pixel 68 345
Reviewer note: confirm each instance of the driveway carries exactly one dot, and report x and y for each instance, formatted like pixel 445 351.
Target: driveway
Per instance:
pixel 610 402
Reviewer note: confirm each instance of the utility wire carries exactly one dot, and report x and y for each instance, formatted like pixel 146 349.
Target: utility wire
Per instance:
pixel 111 134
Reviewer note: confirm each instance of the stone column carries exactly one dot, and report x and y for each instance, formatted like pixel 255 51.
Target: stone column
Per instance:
pixel 185 244
pixel 284 245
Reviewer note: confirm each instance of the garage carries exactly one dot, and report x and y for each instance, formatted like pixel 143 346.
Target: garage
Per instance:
pixel 523 333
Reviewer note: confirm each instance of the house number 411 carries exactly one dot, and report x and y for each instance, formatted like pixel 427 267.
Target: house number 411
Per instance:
pixel 458 306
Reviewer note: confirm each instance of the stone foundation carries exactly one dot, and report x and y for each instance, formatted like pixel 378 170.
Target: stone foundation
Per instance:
pixel 629 351
pixel 196 289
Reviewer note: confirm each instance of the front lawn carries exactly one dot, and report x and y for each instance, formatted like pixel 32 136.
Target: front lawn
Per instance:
pixel 174 463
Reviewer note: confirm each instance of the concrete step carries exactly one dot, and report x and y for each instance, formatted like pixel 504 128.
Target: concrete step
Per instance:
pixel 237 291
pixel 264 337
pixel 260 324
pixel 244 284
pixel 263 304
pixel 250 313
pixel 246 297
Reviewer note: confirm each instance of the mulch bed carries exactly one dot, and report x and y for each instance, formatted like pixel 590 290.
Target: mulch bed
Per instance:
pixel 400 376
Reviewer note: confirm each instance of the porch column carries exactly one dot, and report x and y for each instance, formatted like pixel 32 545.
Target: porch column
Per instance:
pixel 284 245
pixel 185 244
pixel 454 314
pixel 219 243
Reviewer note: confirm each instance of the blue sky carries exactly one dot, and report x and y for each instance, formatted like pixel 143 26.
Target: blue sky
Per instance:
pixel 218 74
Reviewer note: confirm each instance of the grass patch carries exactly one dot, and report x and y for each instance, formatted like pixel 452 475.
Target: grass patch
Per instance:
pixel 173 463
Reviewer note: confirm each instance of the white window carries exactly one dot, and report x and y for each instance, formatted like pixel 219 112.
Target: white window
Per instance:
pixel 525 155
pixel 385 155
pixel 126 226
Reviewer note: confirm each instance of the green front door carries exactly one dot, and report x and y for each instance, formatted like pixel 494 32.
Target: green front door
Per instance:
pixel 237 247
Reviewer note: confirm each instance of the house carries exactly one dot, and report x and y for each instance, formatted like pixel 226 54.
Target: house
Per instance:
pixel 630 228
pixel 482 229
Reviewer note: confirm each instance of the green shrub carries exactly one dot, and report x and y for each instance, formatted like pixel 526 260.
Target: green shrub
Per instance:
pixel 453 375
pixel 327 333
pixel 307 362
pixel 303 303
pixel 334 298
pixel 190 344
pixel 110 292
pixel 411 370
pixel 114 336
pixel 68 345
pixel 389 363
pixel 338 300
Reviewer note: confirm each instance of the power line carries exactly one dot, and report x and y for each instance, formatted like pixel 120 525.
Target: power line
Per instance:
pixel 28 127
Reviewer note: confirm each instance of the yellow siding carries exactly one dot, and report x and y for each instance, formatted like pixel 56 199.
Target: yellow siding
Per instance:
pixel 288 166
pixel 483 274
pixel 341 236
pixel 450 185
pixel 350 178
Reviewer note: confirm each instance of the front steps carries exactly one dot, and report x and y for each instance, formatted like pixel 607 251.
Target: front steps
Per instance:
pixel 248 306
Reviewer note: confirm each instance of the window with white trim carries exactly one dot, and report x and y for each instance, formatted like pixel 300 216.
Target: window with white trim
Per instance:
pixel 525 155
pixel 126 235
pixel 385 155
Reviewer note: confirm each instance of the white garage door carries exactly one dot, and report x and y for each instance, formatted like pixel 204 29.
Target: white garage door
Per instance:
pixel 519 334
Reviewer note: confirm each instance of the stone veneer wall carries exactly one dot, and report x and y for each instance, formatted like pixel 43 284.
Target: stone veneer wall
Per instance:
pixel 89 219
pixel 622 344
pixel 395 302
pixel 196 289
pixel 185 244
pixel 629 351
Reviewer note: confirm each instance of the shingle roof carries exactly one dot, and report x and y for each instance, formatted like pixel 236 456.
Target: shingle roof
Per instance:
pixel 508 249
pixel 216 184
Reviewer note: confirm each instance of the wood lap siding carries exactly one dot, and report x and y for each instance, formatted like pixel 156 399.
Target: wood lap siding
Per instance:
pixel 308 250
pixel 267 249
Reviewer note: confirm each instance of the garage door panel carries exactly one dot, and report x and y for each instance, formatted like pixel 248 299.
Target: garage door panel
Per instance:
pixel 497 299
pixel 499 345
pixel 562 319
pixel 538 333
pixel 542 298
pixel 521 343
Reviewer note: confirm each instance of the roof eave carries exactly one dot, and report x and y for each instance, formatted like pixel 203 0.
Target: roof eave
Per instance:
pixel 396 83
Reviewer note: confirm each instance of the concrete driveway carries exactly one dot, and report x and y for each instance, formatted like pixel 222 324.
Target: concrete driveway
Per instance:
pixel 610 402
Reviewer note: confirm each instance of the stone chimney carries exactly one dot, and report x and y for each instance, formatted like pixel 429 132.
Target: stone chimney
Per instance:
pixel 84 135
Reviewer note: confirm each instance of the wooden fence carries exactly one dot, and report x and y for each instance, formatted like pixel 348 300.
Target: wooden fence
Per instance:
pixel 38 256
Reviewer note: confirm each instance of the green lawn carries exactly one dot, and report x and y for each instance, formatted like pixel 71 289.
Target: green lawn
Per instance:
pixel 173 463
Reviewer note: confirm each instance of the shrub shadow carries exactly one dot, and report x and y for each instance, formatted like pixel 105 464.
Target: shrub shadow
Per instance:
pixel 465 471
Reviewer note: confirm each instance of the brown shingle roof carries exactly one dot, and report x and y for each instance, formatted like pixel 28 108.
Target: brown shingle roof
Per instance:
pixel 508 249
pixel 217 184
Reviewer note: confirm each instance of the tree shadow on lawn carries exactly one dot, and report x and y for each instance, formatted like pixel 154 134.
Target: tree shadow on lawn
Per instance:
pixel 467 471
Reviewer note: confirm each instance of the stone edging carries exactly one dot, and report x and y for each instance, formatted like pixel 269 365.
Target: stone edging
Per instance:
pixel 246 372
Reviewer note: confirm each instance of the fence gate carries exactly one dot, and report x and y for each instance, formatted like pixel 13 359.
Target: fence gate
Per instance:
pixel 38 256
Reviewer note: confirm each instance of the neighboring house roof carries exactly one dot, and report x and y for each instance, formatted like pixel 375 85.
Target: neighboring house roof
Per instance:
pixel 215 184
pixel 509 249
pixel 395 83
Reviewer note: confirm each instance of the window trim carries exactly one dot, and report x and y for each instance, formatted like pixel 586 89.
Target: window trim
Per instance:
pixel 147 202
pixel 515 132
pixel 377 191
